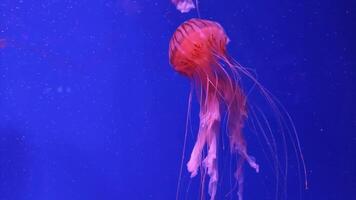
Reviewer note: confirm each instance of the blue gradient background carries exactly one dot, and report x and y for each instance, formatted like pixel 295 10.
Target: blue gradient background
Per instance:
pixel 90 108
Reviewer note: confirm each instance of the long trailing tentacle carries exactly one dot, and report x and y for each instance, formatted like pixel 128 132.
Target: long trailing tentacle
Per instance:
pixel 184 142
pixel 197 6
pixel 235 101
pixel 256 123
pixel 283 118
pixel 258 128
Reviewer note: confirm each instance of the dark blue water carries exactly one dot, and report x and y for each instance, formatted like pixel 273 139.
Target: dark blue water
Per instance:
pixel 90 108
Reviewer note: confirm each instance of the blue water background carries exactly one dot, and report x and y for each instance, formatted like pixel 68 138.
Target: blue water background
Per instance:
pixel 90 108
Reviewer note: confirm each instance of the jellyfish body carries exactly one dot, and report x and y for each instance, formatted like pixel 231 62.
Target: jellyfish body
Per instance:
pixel 183 6
pixel 198 50
pixel 2 43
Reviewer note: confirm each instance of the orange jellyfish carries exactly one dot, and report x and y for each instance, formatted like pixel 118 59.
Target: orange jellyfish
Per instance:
pixel 197 50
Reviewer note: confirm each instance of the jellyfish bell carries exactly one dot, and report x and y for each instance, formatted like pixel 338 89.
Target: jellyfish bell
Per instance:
pixel 194 45
pixel 197 50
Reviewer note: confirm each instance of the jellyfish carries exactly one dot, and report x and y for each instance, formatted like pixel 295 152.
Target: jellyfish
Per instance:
pixel 183 6
pixel 198 51
pixel 2 43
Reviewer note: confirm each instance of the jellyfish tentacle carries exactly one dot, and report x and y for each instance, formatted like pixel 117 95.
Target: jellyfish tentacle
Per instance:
pixel 185 142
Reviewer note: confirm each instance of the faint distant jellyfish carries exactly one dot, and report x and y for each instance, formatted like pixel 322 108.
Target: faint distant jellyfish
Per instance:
pixel 183 5
pixel 2 43
pixel 198 51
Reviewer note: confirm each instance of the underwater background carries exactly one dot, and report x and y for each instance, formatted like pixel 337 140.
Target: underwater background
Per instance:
pixel 91 109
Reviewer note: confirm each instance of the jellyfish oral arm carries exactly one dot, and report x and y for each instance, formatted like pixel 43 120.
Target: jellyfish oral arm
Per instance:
pixel 208 133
